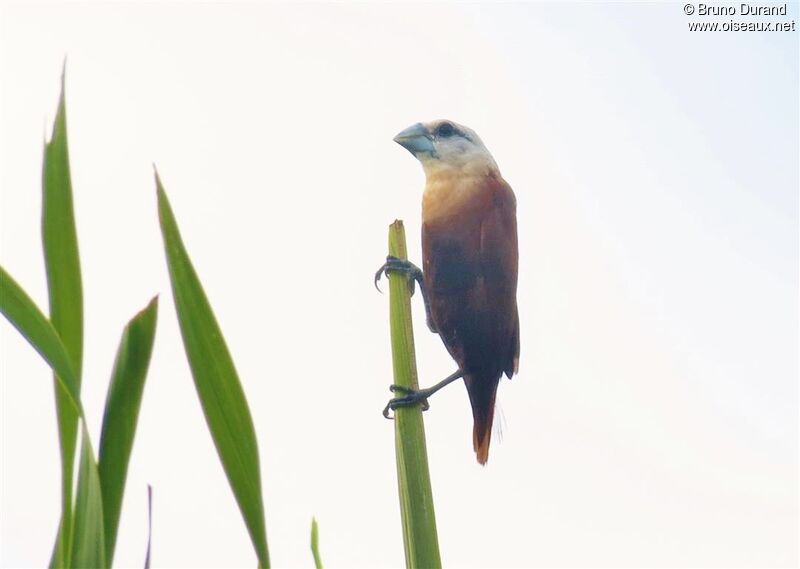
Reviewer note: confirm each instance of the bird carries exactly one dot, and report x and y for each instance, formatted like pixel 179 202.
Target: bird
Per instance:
pixel 469 269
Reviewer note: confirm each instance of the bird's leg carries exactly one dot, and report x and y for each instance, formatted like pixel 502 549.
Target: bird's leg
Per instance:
pixel 413 396
pixel 414 274
pixel 396 265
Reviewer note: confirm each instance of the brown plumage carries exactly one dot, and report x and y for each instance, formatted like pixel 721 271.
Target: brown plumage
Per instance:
pixel 470 258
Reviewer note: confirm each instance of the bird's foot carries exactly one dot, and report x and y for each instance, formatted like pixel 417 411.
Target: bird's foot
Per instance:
pixel 410 397
pixel 397 265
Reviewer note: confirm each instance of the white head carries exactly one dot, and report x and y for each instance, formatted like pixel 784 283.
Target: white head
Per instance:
pixel 443 145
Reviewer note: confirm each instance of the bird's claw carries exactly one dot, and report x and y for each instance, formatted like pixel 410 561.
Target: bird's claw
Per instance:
pixel 395 264
pixel 410 397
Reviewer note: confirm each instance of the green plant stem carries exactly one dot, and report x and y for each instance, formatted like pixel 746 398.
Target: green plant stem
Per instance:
pixel 416 498
pixel 315 544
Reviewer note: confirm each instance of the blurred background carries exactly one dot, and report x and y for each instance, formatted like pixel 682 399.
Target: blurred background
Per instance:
pixel 654 421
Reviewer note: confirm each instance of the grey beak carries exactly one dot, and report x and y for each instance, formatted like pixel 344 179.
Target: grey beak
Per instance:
pixel 416 139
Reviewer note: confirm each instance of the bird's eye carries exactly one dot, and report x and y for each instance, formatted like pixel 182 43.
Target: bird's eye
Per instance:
pixel 445 130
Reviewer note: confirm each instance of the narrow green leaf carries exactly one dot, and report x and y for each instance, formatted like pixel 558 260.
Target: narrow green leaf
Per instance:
pixel 60 239
pixel 121 415
pixel 62 265
pixel 221 395
pixel 149 526
pixel 88 542
pixel 315 544
pixel 26 317
pixel 414 484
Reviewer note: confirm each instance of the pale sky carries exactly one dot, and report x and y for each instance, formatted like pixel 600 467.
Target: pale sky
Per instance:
pixel 654 421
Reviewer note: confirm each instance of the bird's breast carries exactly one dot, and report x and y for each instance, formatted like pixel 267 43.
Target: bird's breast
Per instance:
pixel 449 194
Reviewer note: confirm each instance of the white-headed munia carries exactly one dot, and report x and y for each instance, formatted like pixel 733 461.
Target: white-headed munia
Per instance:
pixel 469 265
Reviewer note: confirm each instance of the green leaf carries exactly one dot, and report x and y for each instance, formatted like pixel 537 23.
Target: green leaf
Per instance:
pixel 149 526
pixel 414 484
pixel 315 544
pixel 62 265
pixel 221 395
pixel 88 543
pixel 26 317
pixel 121 414
pixel 60 240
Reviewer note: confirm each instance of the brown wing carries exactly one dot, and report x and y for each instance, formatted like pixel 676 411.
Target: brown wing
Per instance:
pixel 500 260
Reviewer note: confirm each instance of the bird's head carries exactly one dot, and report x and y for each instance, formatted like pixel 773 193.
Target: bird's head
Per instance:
pixel 445 145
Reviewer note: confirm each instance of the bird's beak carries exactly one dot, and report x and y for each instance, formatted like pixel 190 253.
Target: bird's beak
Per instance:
pixel 416 139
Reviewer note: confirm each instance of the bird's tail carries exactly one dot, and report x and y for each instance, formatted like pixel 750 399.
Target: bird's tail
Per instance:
pixel 482 391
